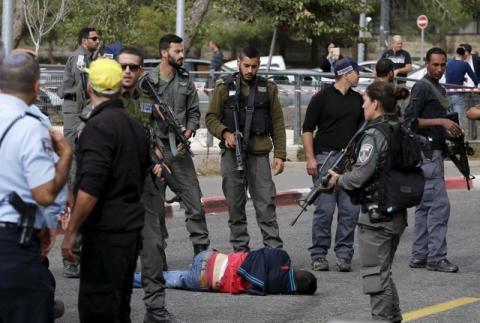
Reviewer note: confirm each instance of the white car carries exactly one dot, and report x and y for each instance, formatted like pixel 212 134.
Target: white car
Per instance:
pixel 417 75
pixel 370 66
pixel 277 63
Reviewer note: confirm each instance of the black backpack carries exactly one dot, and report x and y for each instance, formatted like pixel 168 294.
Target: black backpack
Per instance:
pixel 400 181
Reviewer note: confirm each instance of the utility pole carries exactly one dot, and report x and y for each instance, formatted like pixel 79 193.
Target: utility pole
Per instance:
pixel 7 25
pixel 384 23
pixel 180 23
pixel 361 36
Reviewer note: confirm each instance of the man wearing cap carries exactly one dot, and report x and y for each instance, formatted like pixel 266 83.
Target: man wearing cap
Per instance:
pixel 336 114
pixel 174 86
pixel 35 163
pixel 112 159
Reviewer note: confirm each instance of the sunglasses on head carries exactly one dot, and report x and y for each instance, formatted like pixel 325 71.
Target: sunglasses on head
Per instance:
pixel 93 38
pixel 132 67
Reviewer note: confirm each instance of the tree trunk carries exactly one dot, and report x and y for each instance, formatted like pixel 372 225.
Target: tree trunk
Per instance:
pixel 50 52
pixel 19 23
pixel 195 16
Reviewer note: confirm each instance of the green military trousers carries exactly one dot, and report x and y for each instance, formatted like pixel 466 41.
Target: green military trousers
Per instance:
pixel 378 243
pixel 152 254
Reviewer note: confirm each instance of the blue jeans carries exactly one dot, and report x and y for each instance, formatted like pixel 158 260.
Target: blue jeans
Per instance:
pixel 187 279
pixel 323 216
pixel 457 104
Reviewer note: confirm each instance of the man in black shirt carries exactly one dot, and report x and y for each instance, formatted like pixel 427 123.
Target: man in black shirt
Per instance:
pixel 112 158
pixel 426 113
pixel 400 58
pixel 335 113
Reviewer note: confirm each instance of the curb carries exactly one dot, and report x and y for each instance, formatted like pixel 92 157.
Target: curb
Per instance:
pixel 217 204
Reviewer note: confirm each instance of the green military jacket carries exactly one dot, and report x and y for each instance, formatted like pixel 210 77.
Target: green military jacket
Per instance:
pixel 181 95
pixel 257 144
pixel 139 106
pixel 75 80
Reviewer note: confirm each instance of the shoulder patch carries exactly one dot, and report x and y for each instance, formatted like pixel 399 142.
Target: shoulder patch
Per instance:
pixel 47 146
pixel 146 107
pixel 365 152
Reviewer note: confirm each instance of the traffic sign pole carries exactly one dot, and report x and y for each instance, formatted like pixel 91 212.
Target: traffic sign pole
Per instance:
pixel 422 23
pixel 422 53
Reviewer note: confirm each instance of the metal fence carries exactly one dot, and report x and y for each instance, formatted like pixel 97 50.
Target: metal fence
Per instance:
pixel 295 91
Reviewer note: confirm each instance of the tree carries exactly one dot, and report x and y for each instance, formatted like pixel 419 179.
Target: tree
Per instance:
pixel 19 23
pixel 447 16
pixel 41 17
pixel 195 17
pixel 303 19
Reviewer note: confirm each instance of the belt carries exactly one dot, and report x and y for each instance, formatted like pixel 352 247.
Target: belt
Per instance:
pixel 9 225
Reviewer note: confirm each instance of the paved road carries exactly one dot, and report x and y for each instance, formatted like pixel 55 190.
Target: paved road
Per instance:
pixel 339 295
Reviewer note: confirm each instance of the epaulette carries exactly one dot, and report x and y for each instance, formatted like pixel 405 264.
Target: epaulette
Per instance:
pixel 183 71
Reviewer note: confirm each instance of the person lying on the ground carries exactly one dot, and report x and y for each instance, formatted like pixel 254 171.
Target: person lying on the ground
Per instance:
pixel 260 272
pixel 473 113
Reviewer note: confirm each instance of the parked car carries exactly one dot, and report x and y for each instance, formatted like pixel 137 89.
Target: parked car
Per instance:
pixel 190 64
pixel 277 63
pixel 414 76
pixel 370 66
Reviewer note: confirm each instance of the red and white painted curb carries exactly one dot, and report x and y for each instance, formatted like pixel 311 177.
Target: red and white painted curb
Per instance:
pixel 217 204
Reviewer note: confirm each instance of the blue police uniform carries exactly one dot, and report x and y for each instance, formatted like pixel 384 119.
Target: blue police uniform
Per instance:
pixel 28 161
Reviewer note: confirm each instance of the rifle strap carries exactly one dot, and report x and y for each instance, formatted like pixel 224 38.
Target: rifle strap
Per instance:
pixel 440 97
pixel 249 115
pixel 172 141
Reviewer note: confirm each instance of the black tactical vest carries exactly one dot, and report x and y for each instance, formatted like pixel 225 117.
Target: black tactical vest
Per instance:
pixel 261 121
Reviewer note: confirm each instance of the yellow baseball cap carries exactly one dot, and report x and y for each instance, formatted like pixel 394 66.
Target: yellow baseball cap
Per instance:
pixel 105 75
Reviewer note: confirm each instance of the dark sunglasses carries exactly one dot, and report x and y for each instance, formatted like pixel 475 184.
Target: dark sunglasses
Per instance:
pixel 93 38
pixel 132 67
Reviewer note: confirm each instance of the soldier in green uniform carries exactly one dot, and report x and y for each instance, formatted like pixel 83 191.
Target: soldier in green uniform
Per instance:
pixel 261 127
pixel 173 84
pixel 154 231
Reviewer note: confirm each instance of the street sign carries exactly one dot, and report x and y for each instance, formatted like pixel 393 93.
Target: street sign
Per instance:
pixel 422 21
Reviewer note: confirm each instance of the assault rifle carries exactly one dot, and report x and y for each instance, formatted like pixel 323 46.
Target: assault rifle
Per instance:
pixel 165 112
pixel 157 158
pixel 458 150
pixel 238 135
pixel 98 51
pixel 321 185
pixel 314 193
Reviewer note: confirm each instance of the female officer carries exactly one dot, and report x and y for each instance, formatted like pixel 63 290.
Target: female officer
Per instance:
pixel 378 240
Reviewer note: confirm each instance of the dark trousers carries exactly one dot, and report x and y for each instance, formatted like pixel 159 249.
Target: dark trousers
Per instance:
pixel 378 243
pixel 26 284
pixel 108 263
pixel 183 171
pixel 152 255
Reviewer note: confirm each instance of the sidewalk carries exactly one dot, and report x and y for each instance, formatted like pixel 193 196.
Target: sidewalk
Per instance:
pixel 294 184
